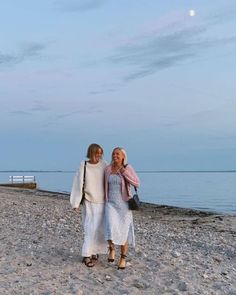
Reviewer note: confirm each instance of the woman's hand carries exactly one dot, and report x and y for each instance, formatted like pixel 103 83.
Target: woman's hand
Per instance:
pixel 122 169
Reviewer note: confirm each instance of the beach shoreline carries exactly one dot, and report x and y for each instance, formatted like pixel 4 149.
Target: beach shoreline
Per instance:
pixel 162 207
pixel 179 251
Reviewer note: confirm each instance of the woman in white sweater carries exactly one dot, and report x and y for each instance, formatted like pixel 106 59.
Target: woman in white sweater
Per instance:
pixel 89 182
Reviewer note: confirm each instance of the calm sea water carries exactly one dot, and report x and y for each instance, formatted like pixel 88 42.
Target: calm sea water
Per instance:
pixel 214 191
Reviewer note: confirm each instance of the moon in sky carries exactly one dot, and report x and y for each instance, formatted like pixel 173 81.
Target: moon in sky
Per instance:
pixel 191 12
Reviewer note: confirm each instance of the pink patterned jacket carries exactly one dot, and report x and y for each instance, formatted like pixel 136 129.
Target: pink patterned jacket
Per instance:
pixel 129 176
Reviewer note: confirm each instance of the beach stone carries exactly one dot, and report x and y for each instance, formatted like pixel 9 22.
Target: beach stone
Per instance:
pixel 100 281
pixel 224 273
pixel 176 254
pixel 108 278
pixel 140 285
pixel 182 286
pixel 205 276
pixel 217 258
pixel 222 240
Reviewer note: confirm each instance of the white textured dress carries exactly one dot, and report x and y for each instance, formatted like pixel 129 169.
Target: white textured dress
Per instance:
pixel 119 225
pixel 93 224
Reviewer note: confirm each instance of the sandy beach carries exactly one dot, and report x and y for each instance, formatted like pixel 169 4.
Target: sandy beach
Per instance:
pixel 178 251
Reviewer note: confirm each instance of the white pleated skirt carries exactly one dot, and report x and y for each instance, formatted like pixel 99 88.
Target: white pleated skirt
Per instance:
pixel 93 224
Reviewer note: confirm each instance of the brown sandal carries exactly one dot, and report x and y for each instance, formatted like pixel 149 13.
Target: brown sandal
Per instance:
pixel 95 257
pixel 111 249
pixel 88 262
pixel 122 256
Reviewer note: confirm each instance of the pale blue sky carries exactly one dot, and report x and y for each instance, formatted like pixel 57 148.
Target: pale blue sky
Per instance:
pixel 139 74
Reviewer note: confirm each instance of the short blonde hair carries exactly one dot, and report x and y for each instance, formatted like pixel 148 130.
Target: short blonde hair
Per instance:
pixel 125 161
pixel 93 149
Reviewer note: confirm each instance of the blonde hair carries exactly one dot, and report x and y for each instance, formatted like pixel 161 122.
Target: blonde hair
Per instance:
pixel 125 160
pixel 93 149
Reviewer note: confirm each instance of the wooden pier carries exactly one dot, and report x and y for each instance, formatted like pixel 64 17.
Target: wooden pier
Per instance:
pixel 21 181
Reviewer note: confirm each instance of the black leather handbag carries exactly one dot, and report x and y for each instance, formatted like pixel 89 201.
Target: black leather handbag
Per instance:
pixel 134 202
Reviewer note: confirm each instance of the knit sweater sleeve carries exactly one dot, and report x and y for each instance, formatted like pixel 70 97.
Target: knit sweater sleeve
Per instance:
pixel 130 176
pixel 76 191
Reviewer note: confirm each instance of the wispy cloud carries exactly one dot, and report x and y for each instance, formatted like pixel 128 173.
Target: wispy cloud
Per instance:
pixel 37 107
pixel 225 15
pixel 26 52
pixel 172 46
pixel 78 5
pixel 21 113
pixel 67 115
pixel 102 90
pixel 6 59
pixel 85 110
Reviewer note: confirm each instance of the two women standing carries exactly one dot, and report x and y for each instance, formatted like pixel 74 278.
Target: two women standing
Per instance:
pixel 106 217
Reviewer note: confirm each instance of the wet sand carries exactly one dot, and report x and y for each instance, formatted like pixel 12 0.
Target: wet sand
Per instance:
pixel 178 251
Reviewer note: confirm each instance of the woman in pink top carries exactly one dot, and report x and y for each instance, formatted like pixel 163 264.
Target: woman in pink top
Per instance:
pixel 119 228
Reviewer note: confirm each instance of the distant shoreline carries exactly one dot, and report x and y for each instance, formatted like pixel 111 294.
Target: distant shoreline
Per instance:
pixel 206 190
pixel 152 206
pixel 144 205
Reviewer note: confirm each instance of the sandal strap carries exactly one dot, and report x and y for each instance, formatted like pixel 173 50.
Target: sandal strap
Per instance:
pixel 123 255
pixel 95 257
pixel 88 261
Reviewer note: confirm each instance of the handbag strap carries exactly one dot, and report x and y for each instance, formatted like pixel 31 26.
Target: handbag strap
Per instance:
pixel 85 163
pixel 126 184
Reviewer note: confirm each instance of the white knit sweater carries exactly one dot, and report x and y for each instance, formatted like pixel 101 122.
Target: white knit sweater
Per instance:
pixel 94 184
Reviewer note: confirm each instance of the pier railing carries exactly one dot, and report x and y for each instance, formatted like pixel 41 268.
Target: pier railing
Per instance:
pixel 22 179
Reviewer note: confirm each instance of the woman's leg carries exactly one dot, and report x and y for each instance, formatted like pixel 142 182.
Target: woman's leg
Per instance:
pixel 111 255
pixel 123 252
